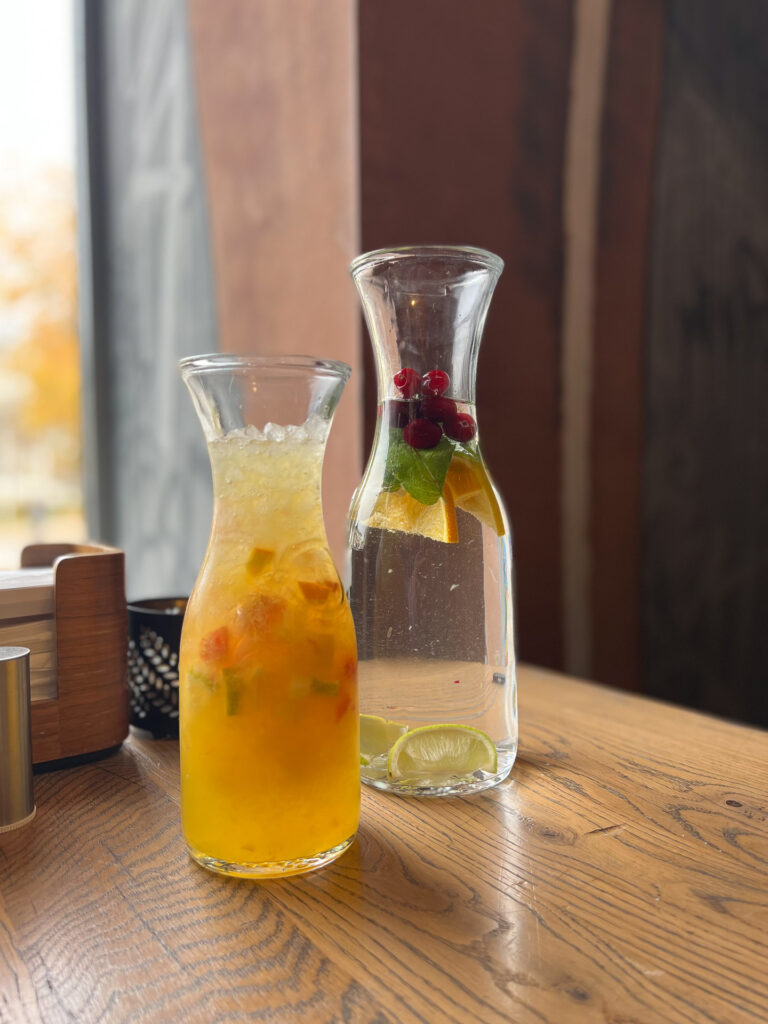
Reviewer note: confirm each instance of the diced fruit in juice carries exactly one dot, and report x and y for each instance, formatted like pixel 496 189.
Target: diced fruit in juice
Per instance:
pixel 259 560
pixel 308 560
pixel 344 706
pixel 269 724
pixel 321 648
pixel 215 645
pixel 260 613
pixel 318 592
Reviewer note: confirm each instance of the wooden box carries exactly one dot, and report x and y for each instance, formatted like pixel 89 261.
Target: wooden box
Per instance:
pixel 67 604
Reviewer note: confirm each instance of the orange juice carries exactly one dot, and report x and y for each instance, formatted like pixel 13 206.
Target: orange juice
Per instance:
pixel 268 668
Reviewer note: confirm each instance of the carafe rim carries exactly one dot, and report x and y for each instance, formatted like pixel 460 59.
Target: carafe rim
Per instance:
pixel 270 364
pixel 484 258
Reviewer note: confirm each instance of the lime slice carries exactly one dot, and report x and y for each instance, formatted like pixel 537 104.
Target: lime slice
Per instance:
pixel 441 750
pixel 377 735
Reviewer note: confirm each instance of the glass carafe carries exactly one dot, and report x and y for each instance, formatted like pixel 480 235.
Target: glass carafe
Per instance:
pixel 430 563
pixel 268 709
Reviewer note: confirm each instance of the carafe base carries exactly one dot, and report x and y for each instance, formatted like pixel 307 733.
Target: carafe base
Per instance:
pixel 270 869
pixel 376 776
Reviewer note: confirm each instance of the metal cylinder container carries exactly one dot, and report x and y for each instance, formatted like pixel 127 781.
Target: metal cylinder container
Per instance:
pixel 17 801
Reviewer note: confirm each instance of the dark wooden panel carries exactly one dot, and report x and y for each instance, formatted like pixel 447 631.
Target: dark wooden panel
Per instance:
pixel 462 114
pixel 629 139
pixel 705 530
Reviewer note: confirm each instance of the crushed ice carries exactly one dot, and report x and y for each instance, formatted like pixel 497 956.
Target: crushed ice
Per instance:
pixel 274 432
pixel 314 429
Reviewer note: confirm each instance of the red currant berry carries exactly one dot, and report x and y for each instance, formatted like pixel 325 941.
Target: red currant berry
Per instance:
pixel 422 433
pixel 438 409
pixel 398 412
pixel 407 382
pixel 435 383
pixel 460 427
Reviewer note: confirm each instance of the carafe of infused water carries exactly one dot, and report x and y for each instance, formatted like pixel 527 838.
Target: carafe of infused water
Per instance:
pixel 268 710
pixel 430 561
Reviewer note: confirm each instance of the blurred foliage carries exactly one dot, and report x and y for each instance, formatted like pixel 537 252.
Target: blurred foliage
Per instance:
pixel 38 314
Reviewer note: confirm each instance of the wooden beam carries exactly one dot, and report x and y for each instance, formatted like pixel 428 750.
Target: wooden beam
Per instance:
pixel 629 143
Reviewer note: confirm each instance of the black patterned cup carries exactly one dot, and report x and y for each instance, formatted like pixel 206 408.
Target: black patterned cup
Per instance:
pixel 154 634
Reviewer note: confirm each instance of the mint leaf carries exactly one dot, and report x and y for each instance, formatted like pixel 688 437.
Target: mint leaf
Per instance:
pixel 421 471
pixel 328 689
pixel 467 448
pixel 391 481
pixel 199 678
pixel 233 689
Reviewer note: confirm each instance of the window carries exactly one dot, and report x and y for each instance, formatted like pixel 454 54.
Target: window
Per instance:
pixel 40 443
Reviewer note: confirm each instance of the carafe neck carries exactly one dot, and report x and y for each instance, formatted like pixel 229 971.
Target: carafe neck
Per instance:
pixel 263 397
pixel 425 308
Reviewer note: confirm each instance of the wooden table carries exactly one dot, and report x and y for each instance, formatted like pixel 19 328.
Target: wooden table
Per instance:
pixel 619 876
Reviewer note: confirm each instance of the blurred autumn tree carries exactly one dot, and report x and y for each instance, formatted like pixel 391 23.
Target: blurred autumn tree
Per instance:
pixel 38 318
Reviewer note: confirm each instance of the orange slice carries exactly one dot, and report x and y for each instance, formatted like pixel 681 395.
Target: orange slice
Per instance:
pixel 397 510
pixel 473 492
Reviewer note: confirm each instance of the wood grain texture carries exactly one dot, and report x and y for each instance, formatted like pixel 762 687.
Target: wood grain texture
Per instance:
pixel 705 472
pixel 90 710
pixel 618 876
pixel 628 150
pixel 462 120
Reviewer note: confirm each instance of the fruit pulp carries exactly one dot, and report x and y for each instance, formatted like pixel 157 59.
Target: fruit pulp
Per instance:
pixel 268 682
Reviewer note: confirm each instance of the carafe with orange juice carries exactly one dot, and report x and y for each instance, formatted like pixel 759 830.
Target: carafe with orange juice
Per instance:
pixel 268 668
